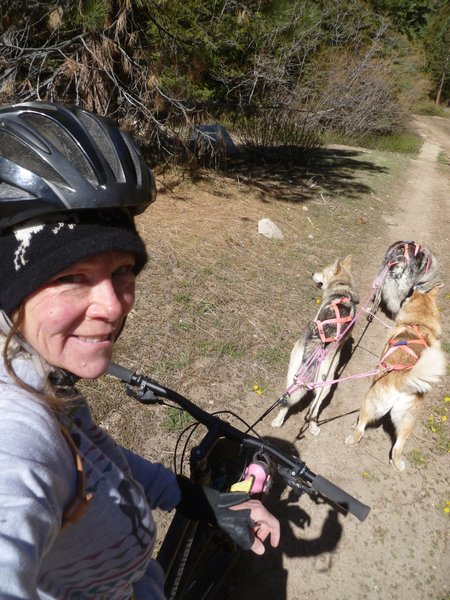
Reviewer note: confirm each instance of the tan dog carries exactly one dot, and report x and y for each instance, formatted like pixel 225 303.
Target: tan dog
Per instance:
pixel 338 307
pixel 414 354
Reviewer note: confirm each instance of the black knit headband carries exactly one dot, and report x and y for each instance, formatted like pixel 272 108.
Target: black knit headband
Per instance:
pixel 33 252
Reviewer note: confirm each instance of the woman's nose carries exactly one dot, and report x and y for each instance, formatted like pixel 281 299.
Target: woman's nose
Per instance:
pixel 105 302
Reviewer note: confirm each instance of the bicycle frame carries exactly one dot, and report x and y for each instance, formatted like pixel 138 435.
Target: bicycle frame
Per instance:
pixel 186 538
pixel 195 556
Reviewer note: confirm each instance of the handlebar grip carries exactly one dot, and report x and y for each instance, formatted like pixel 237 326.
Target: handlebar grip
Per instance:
pixel 120 372
pixel 340 497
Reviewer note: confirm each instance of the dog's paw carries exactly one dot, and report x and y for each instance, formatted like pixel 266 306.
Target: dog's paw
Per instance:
pixel 277 422
pixel 350 441
pixel 400 465
pixel 314 429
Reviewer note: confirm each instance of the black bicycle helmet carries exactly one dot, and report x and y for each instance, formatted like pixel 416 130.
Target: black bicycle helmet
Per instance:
pixel 55 157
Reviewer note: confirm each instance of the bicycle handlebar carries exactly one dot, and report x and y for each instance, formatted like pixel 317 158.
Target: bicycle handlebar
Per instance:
pixel 150 391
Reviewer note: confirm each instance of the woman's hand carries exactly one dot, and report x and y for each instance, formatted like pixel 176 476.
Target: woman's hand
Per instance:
pixel 245 520
pixel 265 525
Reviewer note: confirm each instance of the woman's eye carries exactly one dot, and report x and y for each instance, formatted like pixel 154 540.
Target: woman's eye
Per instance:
pixel 70 278
pixel 124 270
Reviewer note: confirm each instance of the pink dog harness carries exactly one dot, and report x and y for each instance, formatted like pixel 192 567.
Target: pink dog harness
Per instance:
pixel 404 345
pixel 338 321
pixel 406 246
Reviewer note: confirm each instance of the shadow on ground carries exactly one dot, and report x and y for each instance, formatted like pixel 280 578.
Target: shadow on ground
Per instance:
pixel 265 575
pixel 294 175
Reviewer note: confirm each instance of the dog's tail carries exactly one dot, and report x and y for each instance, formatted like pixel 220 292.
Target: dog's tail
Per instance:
pixel 427 371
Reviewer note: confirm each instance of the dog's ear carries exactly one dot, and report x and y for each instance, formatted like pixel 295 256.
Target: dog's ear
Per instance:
pixel 427 288
pixel 421 288
pixel 347 262
pixel 436 287
pixel 334 266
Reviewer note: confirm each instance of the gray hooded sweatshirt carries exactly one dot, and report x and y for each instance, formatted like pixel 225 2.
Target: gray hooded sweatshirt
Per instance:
pixel 106 552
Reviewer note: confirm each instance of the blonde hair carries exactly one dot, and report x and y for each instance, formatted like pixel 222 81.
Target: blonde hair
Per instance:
pixel 54 396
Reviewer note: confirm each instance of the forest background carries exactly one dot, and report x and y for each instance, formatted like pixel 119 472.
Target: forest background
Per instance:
pixel 283 73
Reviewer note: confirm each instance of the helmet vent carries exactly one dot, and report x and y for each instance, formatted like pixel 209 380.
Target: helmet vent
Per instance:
pixel 134 158
pixel 104 144
pixel 63 142
pixel 28 158
pixel 10 193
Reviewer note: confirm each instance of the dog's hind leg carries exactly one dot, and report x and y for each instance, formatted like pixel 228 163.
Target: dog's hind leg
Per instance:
pixel 404 425
pixel 279 419
pixel 325 372
pixel 295 363
pixel 370 411
pixel 364 418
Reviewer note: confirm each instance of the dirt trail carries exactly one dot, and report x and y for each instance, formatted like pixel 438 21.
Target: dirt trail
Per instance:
pixel 423 208
pixel 402 550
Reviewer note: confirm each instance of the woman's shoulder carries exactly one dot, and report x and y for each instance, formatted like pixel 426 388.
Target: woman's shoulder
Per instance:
pixel 23 367
pixel 35 459
pixel 26 404
pixel 29 426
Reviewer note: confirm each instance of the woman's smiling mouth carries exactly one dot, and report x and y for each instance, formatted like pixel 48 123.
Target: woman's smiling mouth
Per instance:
pixel 95 339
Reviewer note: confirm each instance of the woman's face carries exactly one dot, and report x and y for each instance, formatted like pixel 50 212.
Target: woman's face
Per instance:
pixel 73 319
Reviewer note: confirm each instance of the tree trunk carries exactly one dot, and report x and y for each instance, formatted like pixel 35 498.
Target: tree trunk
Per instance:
pixel 441 85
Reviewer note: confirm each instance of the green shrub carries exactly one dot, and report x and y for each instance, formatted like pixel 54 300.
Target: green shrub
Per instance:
pixel 403 141
pixel 430 109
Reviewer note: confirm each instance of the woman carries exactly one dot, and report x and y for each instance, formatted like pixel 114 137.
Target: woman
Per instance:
pixel 75 507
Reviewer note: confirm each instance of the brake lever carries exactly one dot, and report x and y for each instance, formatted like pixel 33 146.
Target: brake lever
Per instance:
pixel 291 480
pixel 142 394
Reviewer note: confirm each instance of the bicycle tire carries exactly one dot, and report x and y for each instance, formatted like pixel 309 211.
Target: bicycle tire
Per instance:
pixel 196 556
pixel 197 566
pixel 174 550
